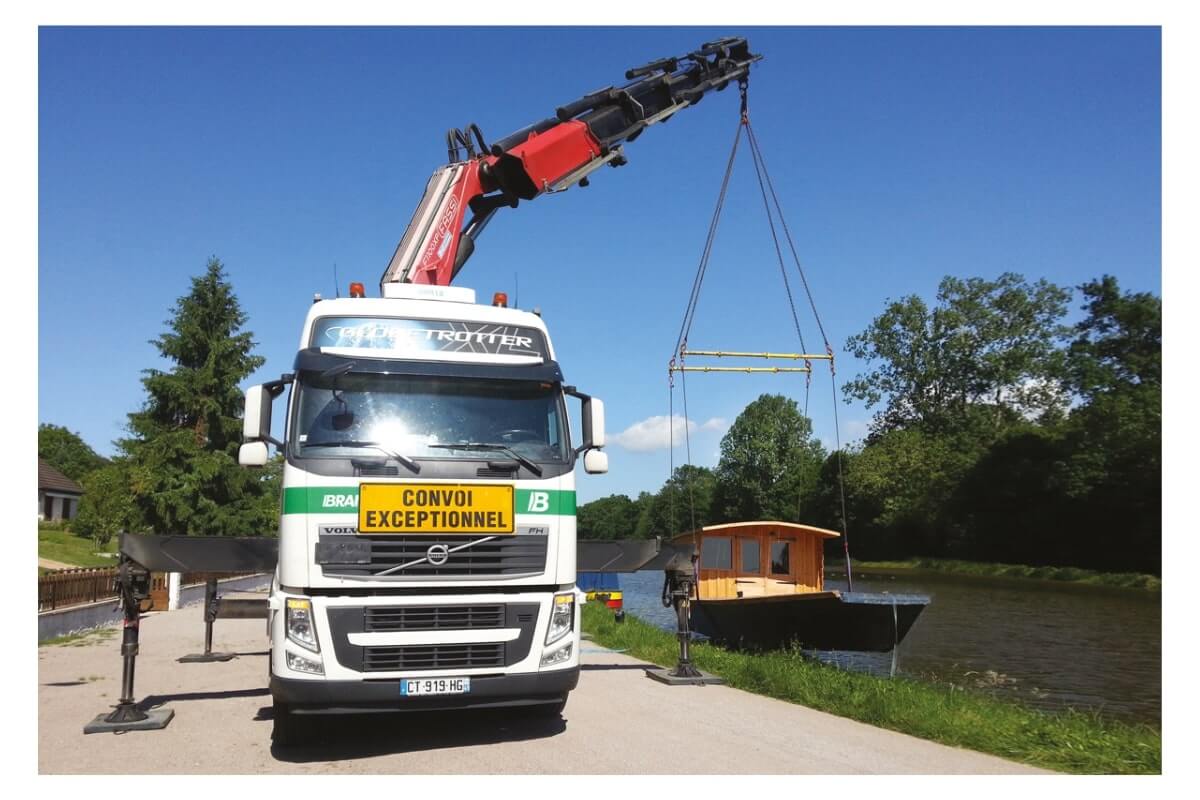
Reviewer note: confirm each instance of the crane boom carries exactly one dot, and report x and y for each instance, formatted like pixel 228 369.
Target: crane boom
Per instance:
pixel 549 156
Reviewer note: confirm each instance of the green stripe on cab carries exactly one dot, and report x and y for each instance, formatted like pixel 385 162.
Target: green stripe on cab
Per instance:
pixel 320 500
pixel 344 500
pixel 546 501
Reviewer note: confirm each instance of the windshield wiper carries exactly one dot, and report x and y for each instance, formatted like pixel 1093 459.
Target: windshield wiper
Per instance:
pixel 405 460
pixel 500 448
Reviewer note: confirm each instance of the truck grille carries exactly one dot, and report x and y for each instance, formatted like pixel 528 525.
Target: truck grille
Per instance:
pixel 502 555
pixel 345 621
pixel 423 618
pixel 436 656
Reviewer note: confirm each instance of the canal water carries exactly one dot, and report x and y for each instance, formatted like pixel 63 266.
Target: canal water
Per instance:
pixel 1050 645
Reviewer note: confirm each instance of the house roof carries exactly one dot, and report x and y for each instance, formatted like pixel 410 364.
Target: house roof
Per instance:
pixel 55 481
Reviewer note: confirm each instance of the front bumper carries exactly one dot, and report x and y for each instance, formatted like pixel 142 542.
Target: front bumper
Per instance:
pixel 487 691
pixel 346 641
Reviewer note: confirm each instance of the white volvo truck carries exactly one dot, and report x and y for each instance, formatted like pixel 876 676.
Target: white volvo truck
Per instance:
pixel 427 547
pixel 427 536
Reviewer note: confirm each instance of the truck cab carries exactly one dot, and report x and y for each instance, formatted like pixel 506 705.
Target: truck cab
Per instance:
pixel 427 529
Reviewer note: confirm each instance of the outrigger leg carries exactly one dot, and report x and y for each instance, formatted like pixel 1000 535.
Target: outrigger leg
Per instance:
pixel 142 553
pixel 681 578
pixel 133 586
pixel 212 605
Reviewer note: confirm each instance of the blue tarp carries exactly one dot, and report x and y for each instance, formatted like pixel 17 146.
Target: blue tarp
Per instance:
pixel 598 582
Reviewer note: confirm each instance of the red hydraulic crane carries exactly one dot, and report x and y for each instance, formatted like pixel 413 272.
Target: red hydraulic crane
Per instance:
pixel 549 156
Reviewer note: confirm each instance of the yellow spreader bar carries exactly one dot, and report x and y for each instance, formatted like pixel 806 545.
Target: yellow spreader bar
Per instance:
pixel 734 354
pixel 740 369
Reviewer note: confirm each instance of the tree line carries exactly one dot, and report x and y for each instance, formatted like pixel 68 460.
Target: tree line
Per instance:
pixel 176 471
pixel 1000 434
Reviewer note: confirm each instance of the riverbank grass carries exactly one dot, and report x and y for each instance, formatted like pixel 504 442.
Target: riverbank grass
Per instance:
pixel 1070 742
pixel 1118 580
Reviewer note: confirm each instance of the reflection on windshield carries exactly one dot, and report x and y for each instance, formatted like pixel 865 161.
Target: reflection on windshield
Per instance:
pixel 411 414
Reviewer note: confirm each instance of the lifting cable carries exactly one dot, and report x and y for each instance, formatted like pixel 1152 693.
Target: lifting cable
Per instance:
pixel 684 329
pixel 678 357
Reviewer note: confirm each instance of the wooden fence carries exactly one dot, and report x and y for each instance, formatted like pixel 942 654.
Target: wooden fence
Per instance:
pixel 72 587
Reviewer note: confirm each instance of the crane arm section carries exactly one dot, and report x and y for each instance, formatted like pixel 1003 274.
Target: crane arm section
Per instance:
pixel 549 156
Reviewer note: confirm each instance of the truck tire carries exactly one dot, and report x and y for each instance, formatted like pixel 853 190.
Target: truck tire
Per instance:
pixel 288 729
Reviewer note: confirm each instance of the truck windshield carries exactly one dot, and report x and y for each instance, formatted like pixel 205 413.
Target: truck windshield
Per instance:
pixel 418 416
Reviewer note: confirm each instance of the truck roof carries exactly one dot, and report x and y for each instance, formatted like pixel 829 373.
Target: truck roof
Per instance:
pixel 497 324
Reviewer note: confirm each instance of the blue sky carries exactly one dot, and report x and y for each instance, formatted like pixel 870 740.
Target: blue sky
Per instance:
pixel 900 155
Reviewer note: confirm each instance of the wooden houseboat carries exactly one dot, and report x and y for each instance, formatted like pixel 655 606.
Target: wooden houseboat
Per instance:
pixel 762 585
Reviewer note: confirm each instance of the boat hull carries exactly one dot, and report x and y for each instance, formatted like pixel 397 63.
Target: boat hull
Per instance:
pixel 820 621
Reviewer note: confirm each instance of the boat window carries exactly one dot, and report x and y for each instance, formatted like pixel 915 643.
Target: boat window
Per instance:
pixel 780 563
pixel 716 553
pixel 751 561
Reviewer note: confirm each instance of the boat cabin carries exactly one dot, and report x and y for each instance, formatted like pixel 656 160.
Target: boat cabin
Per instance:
pixel 742 560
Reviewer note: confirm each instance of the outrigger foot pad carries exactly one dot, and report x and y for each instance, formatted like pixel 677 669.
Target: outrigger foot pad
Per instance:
pixel 672 678
pixel 204 658
pixel 130 719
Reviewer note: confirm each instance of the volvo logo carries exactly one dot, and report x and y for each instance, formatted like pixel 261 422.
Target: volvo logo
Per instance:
pixel 438 554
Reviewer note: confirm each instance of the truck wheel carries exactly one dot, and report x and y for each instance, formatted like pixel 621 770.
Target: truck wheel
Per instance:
pixel 288 729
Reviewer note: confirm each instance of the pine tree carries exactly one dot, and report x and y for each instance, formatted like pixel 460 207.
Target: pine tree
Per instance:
pixel 183 446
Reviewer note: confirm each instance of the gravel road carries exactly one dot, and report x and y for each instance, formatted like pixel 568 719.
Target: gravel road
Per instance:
pixel 617 722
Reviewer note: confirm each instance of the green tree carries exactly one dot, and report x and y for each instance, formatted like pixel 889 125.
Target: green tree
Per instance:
pixel 612 517
pixel 1114 438
pixel 985 343
pixel 643 506
pixel 1012 505
pixel 268 493
pixel 183 443
pixel 769 463
pixel 1070 489
pixel 670 511
pixel 107 506
pixel 1118 345
pixel 897 490
pixel 66 451
pixel 1114 477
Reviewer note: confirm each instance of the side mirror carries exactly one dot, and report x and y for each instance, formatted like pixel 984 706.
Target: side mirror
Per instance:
pixel 593 422
pixel 256 423
pixel 595 462
pixel 253 454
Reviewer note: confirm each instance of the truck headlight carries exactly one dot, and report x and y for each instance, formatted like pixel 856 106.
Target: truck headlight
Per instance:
pixel 299 623
pixel 302 664
pixel 559 656
pixel 562 617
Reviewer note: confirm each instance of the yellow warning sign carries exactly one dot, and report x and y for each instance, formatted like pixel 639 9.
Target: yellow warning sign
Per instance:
pixel 435 508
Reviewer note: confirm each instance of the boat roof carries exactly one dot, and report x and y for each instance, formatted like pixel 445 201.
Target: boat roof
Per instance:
pixel 756 526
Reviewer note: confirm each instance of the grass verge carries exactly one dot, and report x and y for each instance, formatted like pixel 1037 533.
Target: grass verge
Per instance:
pixel 1071 741
pixel 1118 580
pixel 83 638
pixel 61 545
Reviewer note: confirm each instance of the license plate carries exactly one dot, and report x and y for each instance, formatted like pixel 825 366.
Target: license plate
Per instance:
pixel 435 508
pixel 417 687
